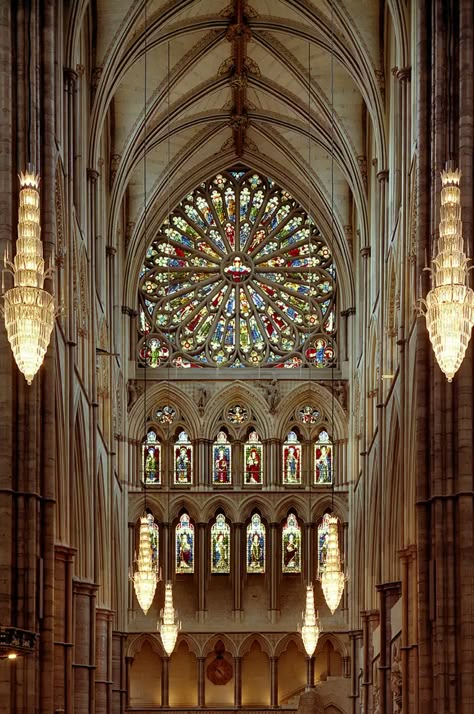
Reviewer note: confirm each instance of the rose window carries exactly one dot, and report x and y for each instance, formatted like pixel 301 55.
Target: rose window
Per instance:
pixel 237 277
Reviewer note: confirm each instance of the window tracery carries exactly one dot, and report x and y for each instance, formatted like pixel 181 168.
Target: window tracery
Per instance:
pixel 237 276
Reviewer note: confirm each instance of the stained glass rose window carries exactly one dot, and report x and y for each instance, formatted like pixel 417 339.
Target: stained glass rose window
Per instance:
pixel 237 277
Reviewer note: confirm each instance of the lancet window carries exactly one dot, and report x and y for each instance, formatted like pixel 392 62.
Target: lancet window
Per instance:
pixel 323 459
pixel 183 460
pixel 291 545
pixel 292 460
pixel 253 460
pixel 256 545
pixel 184 540
pixel 151 459
pixel 221 460
pixel 220 546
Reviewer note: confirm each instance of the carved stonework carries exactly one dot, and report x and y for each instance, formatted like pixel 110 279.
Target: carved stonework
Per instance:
pixel 114 164
pixel 396 680
pixel 58 205
pixel 202 400
pixel 129 228
pixel 380 77
pixel 376 699
pixel 362 161
pixel 340 392
pixel 272 394
pixel 135 390
pixel 95 77
pixel 349 237
pixel 413 214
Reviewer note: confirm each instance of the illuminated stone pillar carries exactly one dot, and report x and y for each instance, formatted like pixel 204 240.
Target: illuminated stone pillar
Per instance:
pixel 238 570
pixel 201 682
pixel 274 568
pixel 274 682
pixel 165 681
pixel 84 646
pixel 103 661
pixel 237 682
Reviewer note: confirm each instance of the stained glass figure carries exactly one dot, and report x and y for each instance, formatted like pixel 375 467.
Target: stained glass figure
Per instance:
pixel 183 460
pixel 323 536
pixel 237 414
pixel 237 276
pixel 291 460
pixel 165 414
pixel 256 545
pixel 291 545
pixel 221 450
pixel 253 460
pixel 323 458
pixel 152 459
pixel 308 414
pixel 155 540
pixel 220 546
pixel 184 545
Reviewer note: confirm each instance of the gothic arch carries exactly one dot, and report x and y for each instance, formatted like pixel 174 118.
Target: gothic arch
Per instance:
pixel 136 643
pixel 252 503
pixel 154 503
pixel 240 392
pixel 246 645
pixel 210 643
pixel 282 644
pixel 81 515
pixel 336 642
pixel 184 502
pixel 325 503
pixel 322 397
pixel 159 393
pixel 191 643
pixel 216 503
pixel 298 504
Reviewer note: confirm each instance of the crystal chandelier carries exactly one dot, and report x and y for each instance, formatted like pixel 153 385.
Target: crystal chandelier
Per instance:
pixel 169 625
pixel 310 628
pixel 332 577
pixel 449 305
pixel 29 309
pixel 146 575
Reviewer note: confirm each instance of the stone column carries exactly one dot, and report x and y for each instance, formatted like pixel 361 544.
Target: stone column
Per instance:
pixel 103 661
pixel 237 464
pixel 132 546
pixel 274 682
pixel 119 673
pixel 308 549
pixel 237 682
pixel 165 552
pixel 370 620
pixel 274 567
pixel 204 463
pixel 237 571
pixel 389 593
pixel 202 569
pixel 355 638
pixel 84 646
pixel 201 682
pixel 309 672
pixel 307 461
pixel 63 627
pixel 165 677
pixel 128 668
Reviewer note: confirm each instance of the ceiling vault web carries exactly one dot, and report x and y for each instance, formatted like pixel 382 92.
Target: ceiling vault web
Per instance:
pixel 239 34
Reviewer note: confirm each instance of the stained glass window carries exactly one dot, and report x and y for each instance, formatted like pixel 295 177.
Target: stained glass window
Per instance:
pixel 183 460
pixel 253 460
pixel 237 414
pixel 308 414
pixel 323 461
pixel 152 459
pixel 291 545
pixel 184 545
pixel 155 540
pixel 237 276
pixel 222 460
pixel 165 414
pixel 256 545
pixel 220 546
pixel 292 460
pixel 323 535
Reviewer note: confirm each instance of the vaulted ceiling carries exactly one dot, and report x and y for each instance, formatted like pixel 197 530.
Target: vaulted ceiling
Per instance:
pixel 251 83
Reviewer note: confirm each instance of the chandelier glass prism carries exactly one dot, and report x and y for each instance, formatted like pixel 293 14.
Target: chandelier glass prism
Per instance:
pixel 146 576
pixel 310 627
pixel 169 625
pixel 332 577
pixel 29 309
pixel 449 305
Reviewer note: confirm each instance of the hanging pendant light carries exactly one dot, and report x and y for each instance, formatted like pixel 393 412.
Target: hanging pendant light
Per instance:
pixel 332 577
pixel 449 305
pixel 169 626
pixel 146 576
pixel 310 627
pixel 29 309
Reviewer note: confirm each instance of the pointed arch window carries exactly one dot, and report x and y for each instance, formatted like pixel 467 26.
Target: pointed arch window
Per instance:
pixel 323 459
pixel 253 460
pixel 221 460
pixel 323 536
pixel 220 546
pixel 151 459
pixel 256 545
pixel 292 460
pixel 184 540
pixel 237 276
pixel 154 540
pixel 291 545
pixel 183 460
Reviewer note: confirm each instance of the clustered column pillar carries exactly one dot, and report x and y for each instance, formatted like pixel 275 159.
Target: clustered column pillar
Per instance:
pixel 165 679
pixel 238 570
pixel 201 682
pixel 84 647
pixel 202 570
pixel 274 682
pixel 237 682
pixel 274 563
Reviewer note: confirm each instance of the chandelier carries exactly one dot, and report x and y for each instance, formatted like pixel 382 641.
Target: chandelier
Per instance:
pixel 332 577
pixel 29 309
pixel 169 625
pixel 449 305
pixel 146 575
pixel 310 628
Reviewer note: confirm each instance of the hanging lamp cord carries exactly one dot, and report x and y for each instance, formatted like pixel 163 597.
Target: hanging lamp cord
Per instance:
pixel 145 219
pixel 332 237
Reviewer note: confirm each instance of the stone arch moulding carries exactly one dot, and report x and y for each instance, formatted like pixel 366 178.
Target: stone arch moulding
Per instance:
pixel 136 642
pixel 324 503
pixel 153 504
pixel 243 392
pixel 282 644
pixel 183 502
pixel 298 504
pixel 336 642
pixel 322 397
pixel 217 503
pixel 246 645
pixel 208 646
pixel 255 503
pixel 162 392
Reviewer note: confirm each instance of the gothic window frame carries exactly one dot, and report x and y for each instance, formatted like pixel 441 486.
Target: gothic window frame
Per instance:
pixel 147 444
pixel 323 440
pixel 238 275
pixel 219 445
pixel 291 527
pixel 184 527
pixel 220 527
pixel 255 527
pixel 253 444
pixel 292 444
pixel 183 442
